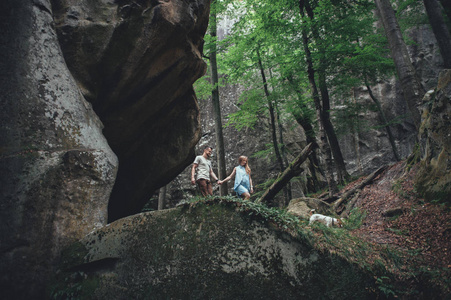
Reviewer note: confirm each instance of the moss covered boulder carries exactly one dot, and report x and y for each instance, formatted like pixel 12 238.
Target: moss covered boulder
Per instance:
pixel 204 251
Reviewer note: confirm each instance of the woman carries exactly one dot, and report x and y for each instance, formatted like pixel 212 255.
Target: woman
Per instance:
pixel 243 181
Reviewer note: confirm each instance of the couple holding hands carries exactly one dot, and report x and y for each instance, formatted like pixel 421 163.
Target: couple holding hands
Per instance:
pixel 202 170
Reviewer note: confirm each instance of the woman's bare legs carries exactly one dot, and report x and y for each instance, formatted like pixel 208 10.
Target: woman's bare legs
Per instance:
pixel 245 196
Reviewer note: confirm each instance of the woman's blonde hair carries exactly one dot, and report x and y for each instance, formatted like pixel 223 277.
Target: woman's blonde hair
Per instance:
pixel 246 167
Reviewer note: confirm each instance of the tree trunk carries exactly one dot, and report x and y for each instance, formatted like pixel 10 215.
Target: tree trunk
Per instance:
pixel 441 32
pixel 356 137
pixel 412 88
pixel 222 173
pixel 302 118
pixel 287 189
pixel 162 198
pixel 325 111
pixel 385 122
pixel 324 144
pixel 272 119
pixel 271 113
pixel 305 123
pixel 343 175
pixel 291 171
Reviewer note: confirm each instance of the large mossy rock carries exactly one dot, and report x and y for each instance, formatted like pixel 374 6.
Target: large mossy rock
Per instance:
pixel 433 178
pixel 204 251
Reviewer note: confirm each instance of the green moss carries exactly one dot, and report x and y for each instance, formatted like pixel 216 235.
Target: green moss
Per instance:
pixel 73 255
pixel 74 285
pixel 414 157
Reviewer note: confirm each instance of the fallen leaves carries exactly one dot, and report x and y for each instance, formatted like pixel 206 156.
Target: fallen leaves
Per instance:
pixel 421 228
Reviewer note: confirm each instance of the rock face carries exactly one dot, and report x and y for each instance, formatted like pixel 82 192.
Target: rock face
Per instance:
pixel 56 168
pixel 434 175
pixel 136 61
pixel 204 252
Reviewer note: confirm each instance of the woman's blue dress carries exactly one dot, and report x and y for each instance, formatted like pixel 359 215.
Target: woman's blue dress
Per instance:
pixel 242 182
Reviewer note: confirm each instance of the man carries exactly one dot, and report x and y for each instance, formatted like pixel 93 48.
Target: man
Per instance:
pixel 202 165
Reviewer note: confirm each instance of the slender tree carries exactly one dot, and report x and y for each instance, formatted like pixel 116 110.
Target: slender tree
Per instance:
pixel 222 173
pixel 271 112
pixel 162 197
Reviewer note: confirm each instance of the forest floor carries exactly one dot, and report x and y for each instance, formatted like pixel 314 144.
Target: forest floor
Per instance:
pixel 397 217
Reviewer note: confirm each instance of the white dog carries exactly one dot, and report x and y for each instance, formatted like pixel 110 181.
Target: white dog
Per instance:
pixel 328 221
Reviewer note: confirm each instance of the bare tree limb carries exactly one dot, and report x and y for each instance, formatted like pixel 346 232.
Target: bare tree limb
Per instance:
pixel 291 171
pixel 365 182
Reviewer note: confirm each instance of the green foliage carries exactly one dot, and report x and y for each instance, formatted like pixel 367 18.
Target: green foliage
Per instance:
pixel 252 105
pixel 262 187
pixel 410 13
pixel 385 286
pixel 281 218
pixel 355 219
pixel 343 42
pixel 266 153
pixel 203 88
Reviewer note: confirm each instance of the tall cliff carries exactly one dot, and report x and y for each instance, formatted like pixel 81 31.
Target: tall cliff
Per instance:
pixel 88 86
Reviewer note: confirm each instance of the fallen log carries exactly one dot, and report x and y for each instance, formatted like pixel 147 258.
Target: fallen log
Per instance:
pixel 360 186
pixel 291 171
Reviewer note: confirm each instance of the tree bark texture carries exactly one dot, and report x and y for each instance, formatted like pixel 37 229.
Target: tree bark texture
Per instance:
pixel 412 88
pixel 291 171
pixel 441 32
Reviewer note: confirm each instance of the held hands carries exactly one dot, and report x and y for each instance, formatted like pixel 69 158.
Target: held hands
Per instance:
pixel 220 182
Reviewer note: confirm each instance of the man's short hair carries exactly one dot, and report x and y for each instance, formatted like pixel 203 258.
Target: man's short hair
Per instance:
pixel 206 147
